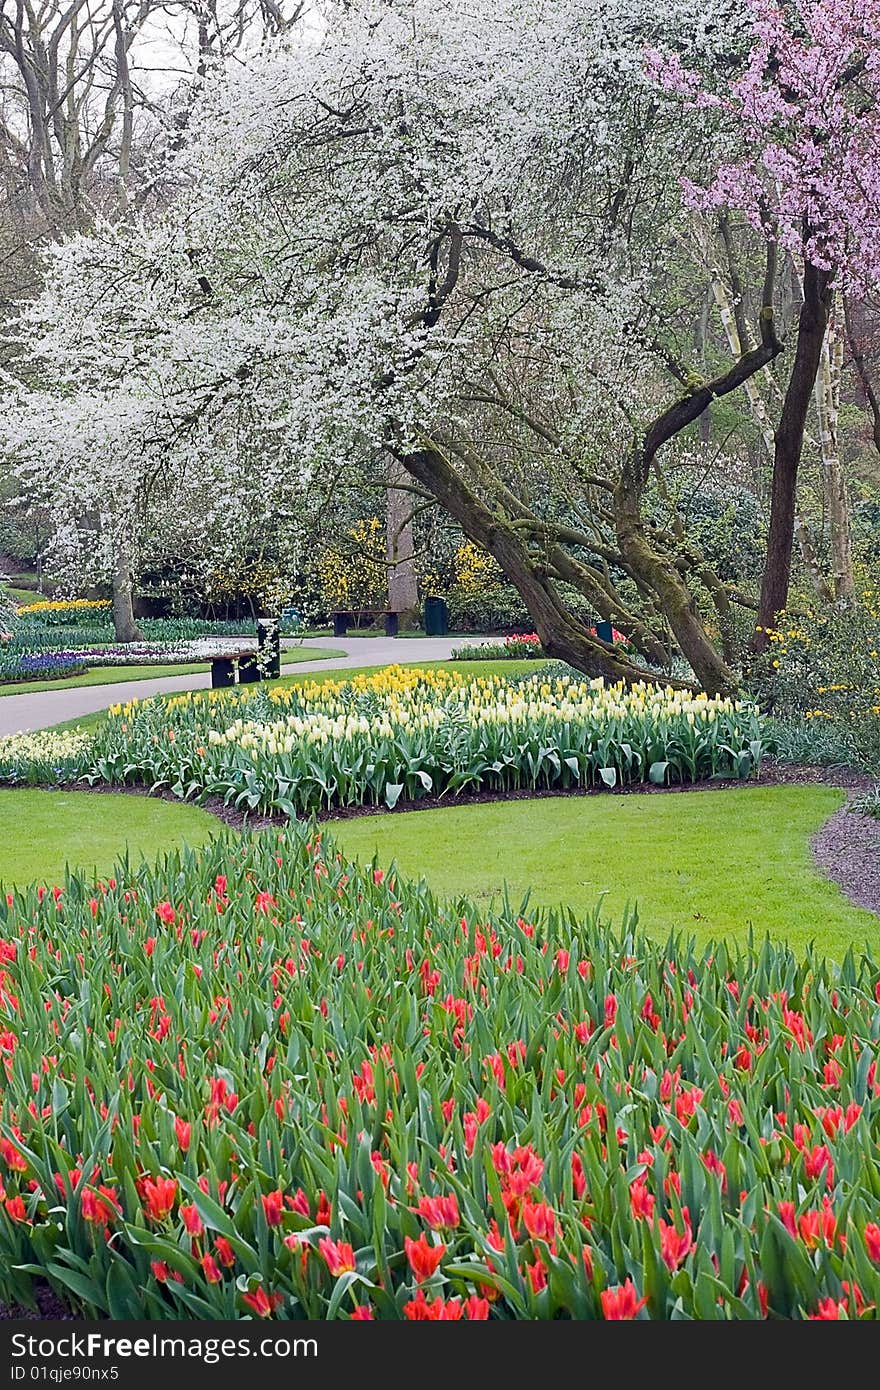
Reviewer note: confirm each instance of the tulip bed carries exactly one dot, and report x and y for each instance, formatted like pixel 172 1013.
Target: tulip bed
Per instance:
pixel 257 1081
pixel 405 734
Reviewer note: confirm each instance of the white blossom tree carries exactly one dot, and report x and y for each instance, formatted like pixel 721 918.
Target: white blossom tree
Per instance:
pixel 442 235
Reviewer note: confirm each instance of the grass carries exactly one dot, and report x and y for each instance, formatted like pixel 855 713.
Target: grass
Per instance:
pixel 474 668
pixel 41 832
pixel 109 675
pixel 21 595
pixel 710 863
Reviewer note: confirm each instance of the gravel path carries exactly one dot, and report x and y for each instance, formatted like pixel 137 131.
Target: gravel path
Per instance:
pixel 21 713
pixel 847 850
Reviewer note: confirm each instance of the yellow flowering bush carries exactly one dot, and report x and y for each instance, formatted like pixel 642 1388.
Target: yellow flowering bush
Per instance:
pixel 352 572
pixel 824 669
pixel 479 596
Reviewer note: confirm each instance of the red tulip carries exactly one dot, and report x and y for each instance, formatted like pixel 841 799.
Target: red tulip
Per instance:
pixel 225 1251
pixel 872 1241
pixel 787 1217
pixel 339 1256
pixel 100 1209
pixel 158 1196
pixel 818 1227
pixel 440 1212
pixel 674 1245
pixel 829 1311
pixel 540 1221
pixel 714 1165
pixel 621 1304
pixel 15 1208
pixel 11 1156
pixel 262 1303
pixel 641 1200
pixel 189 1215
pixel 273 1207
pixel 817 1159
pixel 477 1309
pixel 438 1310
pixel 537 1273
pixel 423 1257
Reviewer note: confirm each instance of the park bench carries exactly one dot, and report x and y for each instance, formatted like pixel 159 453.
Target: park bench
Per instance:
pixel 247 656
pixel 223 666
pixel 343 616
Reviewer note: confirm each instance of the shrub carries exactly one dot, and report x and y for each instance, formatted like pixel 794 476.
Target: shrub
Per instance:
pixel 256 1080
pixel 352 572
pixel 824 669
pixel 479 597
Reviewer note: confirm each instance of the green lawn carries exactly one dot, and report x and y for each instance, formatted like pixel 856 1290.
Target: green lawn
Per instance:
pixel 710 863
pixel 110 675
pixel 21 595
pixel 41 831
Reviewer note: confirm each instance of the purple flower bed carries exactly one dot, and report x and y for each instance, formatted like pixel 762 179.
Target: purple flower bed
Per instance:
pixel 46 666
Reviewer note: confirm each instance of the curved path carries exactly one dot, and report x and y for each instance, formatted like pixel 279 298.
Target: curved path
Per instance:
pixel 39 710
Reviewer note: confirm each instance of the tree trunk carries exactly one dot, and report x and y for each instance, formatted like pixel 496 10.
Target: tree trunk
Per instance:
pixel 789 443
pixel 761 417
pixel 403 586
pixel 561 634
pixel 834 481
pixel 675 598
pixel 124 624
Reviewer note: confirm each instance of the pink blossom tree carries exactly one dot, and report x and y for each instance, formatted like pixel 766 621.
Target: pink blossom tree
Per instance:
pixel 802 122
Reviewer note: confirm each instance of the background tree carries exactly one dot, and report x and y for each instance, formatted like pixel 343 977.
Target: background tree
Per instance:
pixel 804 115
pixel 95 97
pixel 461 241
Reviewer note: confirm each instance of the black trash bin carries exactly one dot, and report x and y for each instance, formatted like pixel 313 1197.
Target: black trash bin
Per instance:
pixel 269 648
pixel 436 617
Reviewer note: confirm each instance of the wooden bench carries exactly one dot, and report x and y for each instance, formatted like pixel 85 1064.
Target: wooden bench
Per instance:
pixel 223 668
pixel 343 616
pixel 256 661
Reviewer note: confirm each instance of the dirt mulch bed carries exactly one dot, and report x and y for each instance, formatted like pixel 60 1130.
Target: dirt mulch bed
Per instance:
pixel 847 850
